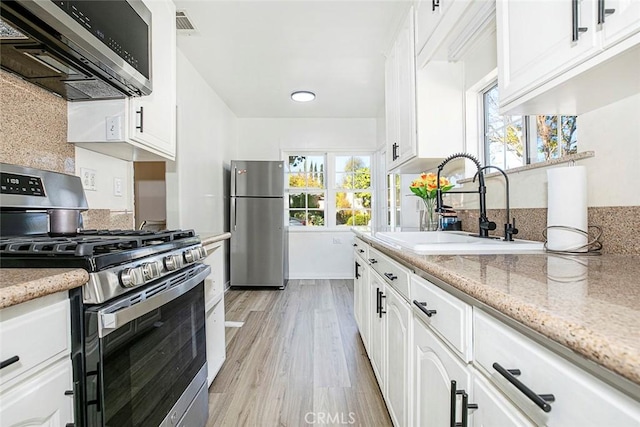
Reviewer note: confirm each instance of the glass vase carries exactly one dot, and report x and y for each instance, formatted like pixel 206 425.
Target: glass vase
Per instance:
pixel 428 217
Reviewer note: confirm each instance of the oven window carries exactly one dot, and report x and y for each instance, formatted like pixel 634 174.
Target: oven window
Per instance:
pixel 148 363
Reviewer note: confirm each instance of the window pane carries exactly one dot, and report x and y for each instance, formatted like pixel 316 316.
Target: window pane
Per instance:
pixel 343 216
pixel 297 218
pixel 306 180
pixel 344 180
pixel 547 137
pixel 362 200
pixel 344 200
pixel 297 200
pixel 351 218
pixel 569 135
pixel 315 201
pixel 315 218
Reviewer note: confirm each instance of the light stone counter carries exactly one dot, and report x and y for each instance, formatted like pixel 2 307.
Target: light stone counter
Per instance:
pixel 18 285
pixel 589 304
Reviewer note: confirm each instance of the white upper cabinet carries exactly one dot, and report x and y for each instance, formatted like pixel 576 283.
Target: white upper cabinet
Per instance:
pixel 400 102
pixel 619 19
pixel 142 128
pixel 582 60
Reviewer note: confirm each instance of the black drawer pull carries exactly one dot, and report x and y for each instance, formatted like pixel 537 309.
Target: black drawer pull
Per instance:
pixel 357 268
pixel 541 400
pixel 390 276
pixel 68 393
pixel 141 127
pixel 361 251
pixel 465 407
pixel 373 260
pixel 10 361
pixel 355 245
pixel 423 308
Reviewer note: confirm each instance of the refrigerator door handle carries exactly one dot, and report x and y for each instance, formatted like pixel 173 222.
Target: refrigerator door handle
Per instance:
pixel 235 181
pixel 234 208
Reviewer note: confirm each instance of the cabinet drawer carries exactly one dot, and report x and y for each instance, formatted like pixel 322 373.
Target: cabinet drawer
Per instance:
pixel 393 273
pixel 34 331
pixel 452 317
pixel 360 248
pixel 579 398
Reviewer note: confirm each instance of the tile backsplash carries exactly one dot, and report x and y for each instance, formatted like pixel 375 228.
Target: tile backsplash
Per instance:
pixel 33 127
pixel 619 224
pixel 33 133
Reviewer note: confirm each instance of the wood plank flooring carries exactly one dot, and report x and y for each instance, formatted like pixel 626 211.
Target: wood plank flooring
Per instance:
pixel 297 360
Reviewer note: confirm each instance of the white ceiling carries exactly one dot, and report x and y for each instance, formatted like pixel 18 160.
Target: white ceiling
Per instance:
pixel 255 53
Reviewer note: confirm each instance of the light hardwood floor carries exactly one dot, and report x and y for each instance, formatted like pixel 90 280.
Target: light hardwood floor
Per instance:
pixel 297 360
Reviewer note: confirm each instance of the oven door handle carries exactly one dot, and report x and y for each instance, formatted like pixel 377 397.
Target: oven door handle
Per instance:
pixel 112 317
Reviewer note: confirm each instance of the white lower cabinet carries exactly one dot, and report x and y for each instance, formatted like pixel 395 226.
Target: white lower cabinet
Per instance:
pixel 36 379
pixel 377 336
pixel 361 299
pixel 579 399
pixel 215 340
pixel 41 400
pixel 493 408
pixel 397 318
pixel 436 371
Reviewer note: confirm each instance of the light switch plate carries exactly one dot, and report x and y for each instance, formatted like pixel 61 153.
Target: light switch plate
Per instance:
pixel 117 187
pixel 88 177
pixel 114 128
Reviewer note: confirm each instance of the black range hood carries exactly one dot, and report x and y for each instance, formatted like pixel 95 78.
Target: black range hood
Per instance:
pixel 80 50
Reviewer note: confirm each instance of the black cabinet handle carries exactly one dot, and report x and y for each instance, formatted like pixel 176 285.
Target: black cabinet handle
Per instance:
pixel 541 400
pixel 373 260
pixel 465 406
pixel 378 302
pixel 355 245
pixel 361 251
pixel 434 5
pixel 68 393
pixel 381 310
pixel 390 276
pixel 603 12
pixel 423 308
pixel 576 29
pixel 357 272
pixel 141 112
pixel 10 361
pixel 394 153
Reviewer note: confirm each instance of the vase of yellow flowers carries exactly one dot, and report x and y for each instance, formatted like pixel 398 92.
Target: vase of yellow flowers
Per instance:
pixel 425 187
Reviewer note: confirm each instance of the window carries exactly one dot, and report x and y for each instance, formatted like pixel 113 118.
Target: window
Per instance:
pixel 328 189
pixel 512 141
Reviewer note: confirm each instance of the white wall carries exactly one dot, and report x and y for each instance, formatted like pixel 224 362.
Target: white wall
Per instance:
pixel 312 254
pixel 207 136
pixel 197 190
pixel 107 169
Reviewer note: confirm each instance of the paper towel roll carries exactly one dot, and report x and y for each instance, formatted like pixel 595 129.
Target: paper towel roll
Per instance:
pixel 567 206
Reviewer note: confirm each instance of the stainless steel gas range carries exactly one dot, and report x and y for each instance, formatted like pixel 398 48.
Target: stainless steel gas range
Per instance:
pixel 138 325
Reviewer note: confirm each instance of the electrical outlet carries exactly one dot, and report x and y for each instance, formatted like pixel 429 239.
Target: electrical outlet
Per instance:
pixel 337 241
pixel 117 187
pixel 88 177
pixel 114 128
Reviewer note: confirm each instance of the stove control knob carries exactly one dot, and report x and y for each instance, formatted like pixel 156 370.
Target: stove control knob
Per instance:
pixel 173 262
pixel 131 277
pixel 203 252
pixel 152 270
pixel 188 256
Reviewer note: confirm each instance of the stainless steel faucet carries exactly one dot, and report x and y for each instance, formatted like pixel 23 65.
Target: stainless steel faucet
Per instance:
pixel 484 225
pixel 509 228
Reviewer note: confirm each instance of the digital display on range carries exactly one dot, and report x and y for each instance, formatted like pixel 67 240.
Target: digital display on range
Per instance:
pixel 11 183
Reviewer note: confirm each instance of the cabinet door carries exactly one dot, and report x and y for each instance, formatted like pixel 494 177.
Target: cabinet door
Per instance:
pixel 406 91
pixel 216 344
pixel 153 118
pixel 40 401
pixel 528 57
pixel 361 300
pixel 428 17
pixel 434 368
pixel 398 316
pixel 377 336
pixel 391 105
pixel 622 23
pixel 493 408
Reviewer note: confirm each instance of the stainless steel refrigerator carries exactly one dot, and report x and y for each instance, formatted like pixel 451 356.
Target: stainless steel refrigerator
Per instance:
pixel 259 241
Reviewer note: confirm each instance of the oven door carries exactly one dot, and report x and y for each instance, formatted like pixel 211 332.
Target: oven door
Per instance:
pixel 145 354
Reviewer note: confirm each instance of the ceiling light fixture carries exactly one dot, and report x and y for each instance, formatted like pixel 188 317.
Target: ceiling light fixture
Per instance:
pixel 303 96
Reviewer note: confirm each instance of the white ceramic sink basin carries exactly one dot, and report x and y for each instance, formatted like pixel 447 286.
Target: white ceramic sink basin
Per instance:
pixel 454 242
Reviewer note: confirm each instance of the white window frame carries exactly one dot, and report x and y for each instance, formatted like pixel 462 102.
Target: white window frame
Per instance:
pixel 330 186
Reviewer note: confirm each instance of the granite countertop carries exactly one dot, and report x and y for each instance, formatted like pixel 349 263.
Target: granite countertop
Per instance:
pixel 18 285
pixel 590 304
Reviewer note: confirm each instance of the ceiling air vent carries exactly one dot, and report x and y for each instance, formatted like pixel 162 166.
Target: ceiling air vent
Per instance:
pixel 183 23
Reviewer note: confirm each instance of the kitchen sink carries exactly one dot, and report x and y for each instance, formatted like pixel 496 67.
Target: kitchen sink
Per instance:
pixel 455 242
